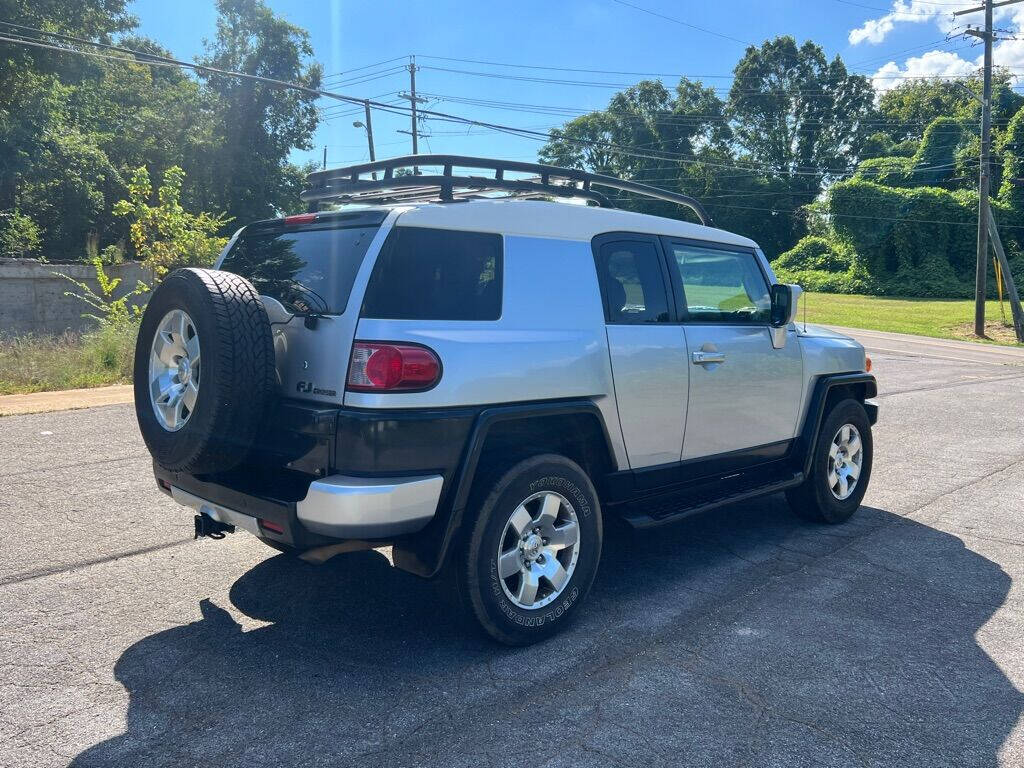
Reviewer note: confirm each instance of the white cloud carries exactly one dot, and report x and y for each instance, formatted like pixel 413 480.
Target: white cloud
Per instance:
pixel 939 63
pixel 874 31
pixel 930 64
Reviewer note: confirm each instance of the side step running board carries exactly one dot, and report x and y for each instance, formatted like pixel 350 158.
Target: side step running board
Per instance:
pixel 668 508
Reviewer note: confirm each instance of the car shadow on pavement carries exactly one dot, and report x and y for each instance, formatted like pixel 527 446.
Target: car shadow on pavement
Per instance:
pixel 742 637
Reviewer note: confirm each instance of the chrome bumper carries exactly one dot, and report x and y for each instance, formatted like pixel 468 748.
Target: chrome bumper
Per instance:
pixel 367 507
pixel 346 507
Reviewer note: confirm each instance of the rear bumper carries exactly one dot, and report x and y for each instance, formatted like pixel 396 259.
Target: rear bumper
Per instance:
pixel 338 507
pixel 369 508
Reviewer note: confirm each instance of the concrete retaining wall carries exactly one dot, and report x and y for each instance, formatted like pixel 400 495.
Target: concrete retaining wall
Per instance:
pixel 32 296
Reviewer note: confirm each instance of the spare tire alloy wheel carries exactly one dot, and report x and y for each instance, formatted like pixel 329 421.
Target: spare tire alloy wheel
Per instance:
pixel 204 371
pixel 174 370
pixel 538 551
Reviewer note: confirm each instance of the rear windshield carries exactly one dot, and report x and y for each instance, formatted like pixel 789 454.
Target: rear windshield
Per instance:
pixel 307 270
pixel 436 274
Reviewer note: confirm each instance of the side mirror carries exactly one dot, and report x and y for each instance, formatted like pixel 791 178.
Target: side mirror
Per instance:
pixel 784 304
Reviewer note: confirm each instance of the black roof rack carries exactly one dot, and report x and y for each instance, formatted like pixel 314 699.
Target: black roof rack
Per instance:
pixel 345 185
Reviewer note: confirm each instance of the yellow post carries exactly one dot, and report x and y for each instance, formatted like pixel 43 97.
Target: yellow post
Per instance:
pixel 999 287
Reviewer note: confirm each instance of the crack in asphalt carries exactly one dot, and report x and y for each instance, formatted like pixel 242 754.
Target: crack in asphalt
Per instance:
pixel 40 573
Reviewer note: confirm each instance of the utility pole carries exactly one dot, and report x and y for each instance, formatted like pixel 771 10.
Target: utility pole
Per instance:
pixel 984 210
pixel 369 130
pixel 325 157
pixel 368 125
pixel 413 101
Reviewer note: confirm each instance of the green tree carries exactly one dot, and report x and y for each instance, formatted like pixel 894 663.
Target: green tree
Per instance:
pixel 31 79
pixel 258 125
pixel 165 236
pixel 799 115
pixel 647 134
pixel 910 107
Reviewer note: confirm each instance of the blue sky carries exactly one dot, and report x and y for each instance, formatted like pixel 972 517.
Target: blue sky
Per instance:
pixel 888 40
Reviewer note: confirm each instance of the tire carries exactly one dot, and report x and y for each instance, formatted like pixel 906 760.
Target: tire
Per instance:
pixel 817 499
pixel 535 481
pixel 226 327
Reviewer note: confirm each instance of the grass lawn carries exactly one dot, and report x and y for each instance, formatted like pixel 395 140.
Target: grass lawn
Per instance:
pixel 942 318
pixel 44 363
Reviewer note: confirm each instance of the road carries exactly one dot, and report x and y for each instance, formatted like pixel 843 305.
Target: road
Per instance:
pixel 740 638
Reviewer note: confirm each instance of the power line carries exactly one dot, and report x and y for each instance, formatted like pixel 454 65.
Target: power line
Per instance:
pixel 682 23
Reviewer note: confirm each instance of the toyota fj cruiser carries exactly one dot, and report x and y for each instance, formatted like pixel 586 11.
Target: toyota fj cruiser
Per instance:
pixel 479 382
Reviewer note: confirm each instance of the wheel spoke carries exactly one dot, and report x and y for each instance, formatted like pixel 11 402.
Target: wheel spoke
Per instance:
pixel 553 571
pixel 181 327
pixel 164 348
pixel 854 446
pixel 189 396
pixel 550 505
pixel 833 451
pixel 179 404
pixel 844 486
pixel 521 520
pixel 844 434
pixel 563 536
pixel 527 593
pixel 509 564
pixel 192 350
pixel 852 471
pixel 162 389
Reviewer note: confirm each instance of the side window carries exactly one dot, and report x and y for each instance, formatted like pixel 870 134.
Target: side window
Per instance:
pixel 721 286
pixel 632 282
pixel 436 274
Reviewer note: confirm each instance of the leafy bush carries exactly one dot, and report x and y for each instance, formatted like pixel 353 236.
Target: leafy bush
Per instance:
pixel 819 264
pixel 19 235
pixel 165 236
pixel 114 310
pixel 816 253
pixel 891 171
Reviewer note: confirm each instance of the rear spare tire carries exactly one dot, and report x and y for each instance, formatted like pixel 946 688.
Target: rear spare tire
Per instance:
pixel 204 370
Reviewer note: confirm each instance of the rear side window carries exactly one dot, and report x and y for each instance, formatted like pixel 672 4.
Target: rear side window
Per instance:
pixel 307 269
pixel 436 274
pixel 633 282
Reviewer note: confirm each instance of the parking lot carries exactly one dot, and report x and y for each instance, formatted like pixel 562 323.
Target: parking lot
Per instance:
pixel 745 637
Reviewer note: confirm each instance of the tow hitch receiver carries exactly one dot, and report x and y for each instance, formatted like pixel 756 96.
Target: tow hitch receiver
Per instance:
pixel 214 529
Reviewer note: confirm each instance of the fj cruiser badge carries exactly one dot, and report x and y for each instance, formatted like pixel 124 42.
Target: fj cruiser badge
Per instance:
pixel 307 387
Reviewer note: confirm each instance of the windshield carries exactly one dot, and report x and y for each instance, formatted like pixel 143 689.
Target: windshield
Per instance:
pixel 307 270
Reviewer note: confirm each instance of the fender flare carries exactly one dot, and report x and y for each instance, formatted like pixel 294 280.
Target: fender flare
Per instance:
pixel 808 436
pixel 426 553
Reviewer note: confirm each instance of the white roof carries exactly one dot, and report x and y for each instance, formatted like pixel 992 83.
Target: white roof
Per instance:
pixel 565 221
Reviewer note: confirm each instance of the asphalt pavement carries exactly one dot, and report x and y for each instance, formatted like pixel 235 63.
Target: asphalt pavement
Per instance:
pixel 744 637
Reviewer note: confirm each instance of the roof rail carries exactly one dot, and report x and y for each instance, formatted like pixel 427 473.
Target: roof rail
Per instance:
pixel 345 185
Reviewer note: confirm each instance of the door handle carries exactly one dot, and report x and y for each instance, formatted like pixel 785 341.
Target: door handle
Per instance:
pixel 700 357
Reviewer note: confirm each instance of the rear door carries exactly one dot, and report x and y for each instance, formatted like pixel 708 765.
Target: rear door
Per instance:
pixel 310 271
pixel 647 350
pixel 744 393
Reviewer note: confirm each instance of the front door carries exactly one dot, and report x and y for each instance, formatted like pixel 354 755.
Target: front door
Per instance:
pixel 744 393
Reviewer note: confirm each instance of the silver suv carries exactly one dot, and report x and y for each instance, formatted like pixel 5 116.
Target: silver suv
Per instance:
pixel 479 381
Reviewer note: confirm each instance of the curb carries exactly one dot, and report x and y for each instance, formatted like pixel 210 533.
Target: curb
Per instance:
pixel 65 400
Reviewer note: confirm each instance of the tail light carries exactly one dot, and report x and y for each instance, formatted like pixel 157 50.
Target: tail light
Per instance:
pixel 392 368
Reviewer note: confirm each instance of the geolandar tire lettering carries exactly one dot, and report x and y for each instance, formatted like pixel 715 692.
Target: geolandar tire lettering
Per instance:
pixel 840 466
pixel 533 550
